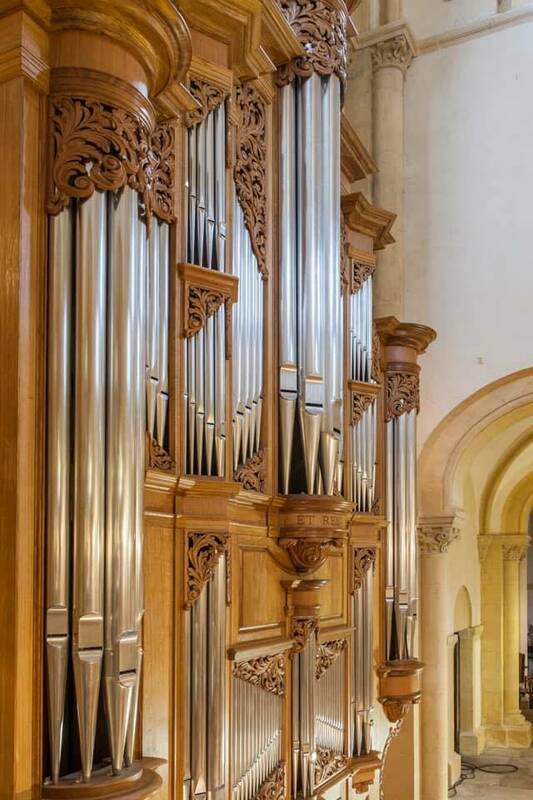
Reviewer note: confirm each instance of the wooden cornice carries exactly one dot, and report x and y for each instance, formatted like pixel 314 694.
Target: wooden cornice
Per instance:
pixel 25 52
pixel 356 161
pixel 362 217
pixel 278 37
pixel 394 333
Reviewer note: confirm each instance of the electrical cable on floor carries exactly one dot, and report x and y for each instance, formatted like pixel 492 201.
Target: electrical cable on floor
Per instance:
pixel 468 772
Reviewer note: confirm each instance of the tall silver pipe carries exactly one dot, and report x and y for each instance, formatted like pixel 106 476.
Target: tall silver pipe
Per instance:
pixel 186 728
pixel 220 395
pixel 163 233
pixel 411 528
pixel 153 330
pixel 121 634
pixel 199 696
pixel 219 132
pixel 89 468
pixel 58 476
pixel 390 546
pixel 216 741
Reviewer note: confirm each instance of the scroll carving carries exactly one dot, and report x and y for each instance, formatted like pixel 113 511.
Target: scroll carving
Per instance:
pixel 514 552
pixel 360 272
pixel 321 28
pixel 302 629
pixel 436 538
pixel 396 708
pixel 203 553
pixel 345 263
pixel 395 52
pixel 274 786
pixel 158 458
pixel 202 303
pixel 403 393
pixel 377 370
pixel 363 560
pixel 308 554
pixel 267 672
pixel 360 403
pixel 250 168
pixel 252 474
pixel 327 654
pixel 328 763
pixel 207 96
pixel 99 146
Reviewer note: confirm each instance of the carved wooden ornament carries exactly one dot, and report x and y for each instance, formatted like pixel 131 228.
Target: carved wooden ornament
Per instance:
pixel 203 553
pixel 274 786
pixel 403 393
pixel 252 474
pixel 309 553
pixel 204 292
pixel 360 403
pixel 359 273
pixel 320 25
pixel 99 146
pixel 208 98
pixel 250 168
pixel 363 560
pixel 328 763
pixel 267 672
pixel 158 458
pixel 302 629
pixel 326 654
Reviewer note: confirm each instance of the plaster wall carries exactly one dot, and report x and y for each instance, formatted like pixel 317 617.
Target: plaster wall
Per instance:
pixel 469 168
pixel 430 17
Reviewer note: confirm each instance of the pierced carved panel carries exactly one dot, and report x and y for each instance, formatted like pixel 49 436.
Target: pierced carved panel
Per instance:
pixel 360 403
pixel 321 28
pixel 360 272
pixel 377 369
pixel 274 786
pixel 98 146
pixel 301 630
pixel 158 458
pixel 328 763
pixel 202 303
pixel 252 474
pixel 267 672
pixel 207 96
pixel 327 653
pixel 363 560
pixel 203 553
pixel 250 168
pixel 403 393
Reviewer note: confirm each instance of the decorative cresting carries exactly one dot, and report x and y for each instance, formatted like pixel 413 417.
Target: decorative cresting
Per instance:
pixel 250 167
pixel 252 474
pixel 204 292
pixel 96 145
pixel 267 672
pixel 207 96
pixel 327 653
pixel 321 26
pixel 158 458
pixel 274 787
pixel 436 535
pixel 402 390
pixel 328 763
pixel 396 52
pixel 203 553
pixel 363 560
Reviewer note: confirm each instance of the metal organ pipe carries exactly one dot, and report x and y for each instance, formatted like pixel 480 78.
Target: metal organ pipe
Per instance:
pixel 310 299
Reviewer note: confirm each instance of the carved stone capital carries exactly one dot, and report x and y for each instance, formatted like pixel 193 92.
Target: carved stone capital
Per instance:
pixel 327 653
pixel 516 548
pixel 363 561
pixel 309 553
pixel 396 52
pixel 435 535
pixel 250 168
pixel 267 672
pixel 252 474
pixel 203 553
pixel 96 145
pixel 321 27
pixel 328 763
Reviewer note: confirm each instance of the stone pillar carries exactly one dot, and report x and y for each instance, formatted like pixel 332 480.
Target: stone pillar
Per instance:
pixel 435 536
pixel 472 736
pixel 391 56
pixel 513 553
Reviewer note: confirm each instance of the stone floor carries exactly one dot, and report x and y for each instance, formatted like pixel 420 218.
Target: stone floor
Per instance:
pixel 516 785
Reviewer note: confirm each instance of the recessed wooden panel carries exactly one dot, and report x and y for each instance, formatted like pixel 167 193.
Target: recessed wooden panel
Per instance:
pixel 333 594
pixel 262 600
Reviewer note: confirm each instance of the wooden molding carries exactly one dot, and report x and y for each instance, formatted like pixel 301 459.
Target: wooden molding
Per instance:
pixel 312 528
pixel 399 687
pixel 137 782
pixel 362 217
pixel 394 333
pixel 356 161
pixel 204 291
pixel 364 771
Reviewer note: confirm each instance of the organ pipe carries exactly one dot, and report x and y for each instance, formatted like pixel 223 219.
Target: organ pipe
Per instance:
pixel 310 301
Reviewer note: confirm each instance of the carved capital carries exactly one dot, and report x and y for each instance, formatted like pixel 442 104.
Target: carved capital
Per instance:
pixel 301 630
pixel 328 763
pixel 309 553
pixel 203 553
pixel 252 474
pixel 436 536
pixel 267 672
pixel 207 96
pixel 96 145
pixel 250 168
pixel 396 52
pixel 274 786
pixel 321 26
pixel 363 561
pixel 402 392
pixel 327 653
pixel 515 551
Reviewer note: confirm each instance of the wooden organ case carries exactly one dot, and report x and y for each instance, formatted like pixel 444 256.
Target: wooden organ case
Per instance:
pixel 229 579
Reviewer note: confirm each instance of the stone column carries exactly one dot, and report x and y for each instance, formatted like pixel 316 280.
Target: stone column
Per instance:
pixel 472 736
pixel 435 536
pixel 513 550
pixel 391 56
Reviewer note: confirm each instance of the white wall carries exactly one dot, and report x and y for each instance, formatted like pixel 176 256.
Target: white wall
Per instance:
pixel 469 212
pixel 429 17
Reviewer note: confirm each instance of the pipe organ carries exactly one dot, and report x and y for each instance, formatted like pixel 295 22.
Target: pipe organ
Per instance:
pixel 225 573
